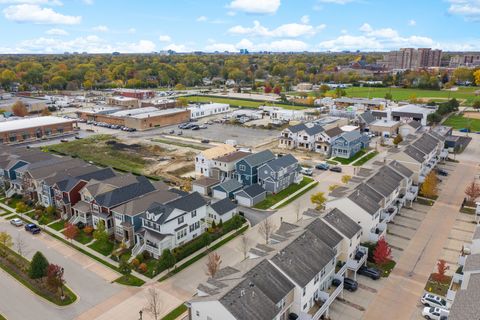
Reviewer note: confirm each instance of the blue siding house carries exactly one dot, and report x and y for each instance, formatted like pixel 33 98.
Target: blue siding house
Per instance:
pixel 247 168
pixel 348 144
pixel 278 174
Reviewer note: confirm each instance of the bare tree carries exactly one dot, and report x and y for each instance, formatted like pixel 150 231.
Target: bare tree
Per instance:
pixel 213 264
pixel 20 245
pixel 266 229
pixel 244 245
pixel 298 210
pixel 154 305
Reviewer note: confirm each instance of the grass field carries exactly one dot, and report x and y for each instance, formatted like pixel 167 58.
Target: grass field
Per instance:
pixel 464 93
pixel 357 156
pixel 128 280
pixel 460 122
pixel 365 158
pixel 272 199
pixel 241 103
pixel 58 225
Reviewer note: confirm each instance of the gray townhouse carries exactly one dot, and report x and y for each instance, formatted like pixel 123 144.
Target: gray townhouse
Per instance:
pixel 349 144
pixel 278 174
pixel 247 168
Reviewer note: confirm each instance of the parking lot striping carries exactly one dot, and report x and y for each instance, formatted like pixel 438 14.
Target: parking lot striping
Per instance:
pixel 450 249
pixel 351 304
pixel 403 226
pixel 395 247
pixel 408 217
pixel 462 230
pixel 397 235
pixel 467 221
pixel 367 288
pixel 458 239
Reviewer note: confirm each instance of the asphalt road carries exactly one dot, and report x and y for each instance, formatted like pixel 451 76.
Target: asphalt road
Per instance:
pixel 86 277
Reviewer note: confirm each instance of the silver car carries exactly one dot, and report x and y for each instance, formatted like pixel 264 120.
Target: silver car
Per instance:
pixel 16 222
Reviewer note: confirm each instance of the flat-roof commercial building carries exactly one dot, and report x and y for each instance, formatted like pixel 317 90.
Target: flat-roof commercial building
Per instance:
pixel 208 109
pixel 136 93
pixel 140 119
pixel 33 105
pixel 31 129
pixel 124 102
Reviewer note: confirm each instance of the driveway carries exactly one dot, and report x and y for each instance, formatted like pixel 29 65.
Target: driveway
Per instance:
pixel 407 281
pixel 254 216
pixel 86 277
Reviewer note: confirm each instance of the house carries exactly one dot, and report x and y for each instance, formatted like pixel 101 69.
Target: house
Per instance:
pixel 278 174
pixel 348 144
pixel 226 189
pixel 411 112
pixel 222 210
pixel 247 168
pixel 203 185
pixel 324 140
pixel 127 216
pixel 384 127
pixel 364 120
pixel 250 195
pixel 223 167
pixel 301 136
pixel 203 160
pixel 409 128
pixel 169 225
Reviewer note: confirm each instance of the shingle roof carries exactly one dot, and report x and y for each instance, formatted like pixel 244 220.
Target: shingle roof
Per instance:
pixel 414 124
pixel 351 135
pixel 304 258
pixel 333 132
pixel 415 154
pixel 205 181
pixel 234 156
pixel 252 191
pixel 315 129
pixel 426 143
pixel 364 202
pixel 472 263
pixel 142 203
pixel 297 128
pixel 401 169
pixel 99 175
pixel 282 162
pixel 123 194
pixel 385 181
pixel 476 234
pixel 229 185
pixel 223 206
pixel 259 158
pixel 367 117
pixel 189 202
pixel 465 305
pixel 342 223
pixel 325 233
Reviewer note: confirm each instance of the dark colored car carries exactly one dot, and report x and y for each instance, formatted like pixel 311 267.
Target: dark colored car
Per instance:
pixel 33 228
pixel 442 172
pixel 322 166
pixel 205 141
pixel 350 284
pixel 195 127
pixel 372 273
pixel 336 169
pixel 336 282
pixel 359 255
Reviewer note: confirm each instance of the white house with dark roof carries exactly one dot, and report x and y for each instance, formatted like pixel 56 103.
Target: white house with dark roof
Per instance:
pixel 251 195
pixel 324 140
pixel 222 210
pixel 301 136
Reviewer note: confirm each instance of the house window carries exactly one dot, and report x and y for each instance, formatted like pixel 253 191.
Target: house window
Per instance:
pixel 194 213
pixel 304 291
pixel 316 279
pixel 197 313
pixel 241 167
pixel 181 219
pixel 182 233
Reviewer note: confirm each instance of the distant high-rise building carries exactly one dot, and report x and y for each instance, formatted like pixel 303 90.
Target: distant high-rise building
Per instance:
pixel 411 58
pixel 466 60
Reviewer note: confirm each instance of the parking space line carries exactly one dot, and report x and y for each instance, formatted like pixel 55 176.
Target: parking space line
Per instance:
pixel 351 304
pixel 462 230
pixel 458 239
pixel 367 288
pixel 403 226
pixel 397 235
pixel 395 247
pixel 408 217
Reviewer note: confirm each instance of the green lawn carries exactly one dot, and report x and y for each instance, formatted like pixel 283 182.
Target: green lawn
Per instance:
pixel 57 225
pixel 241 103
pixel 358 155
pixel 297 196
pixel 272 199
pixel 129 280
pixel 83 238
pixel 365 158
pixel 96 149
pixel 2 317
pixel 460 122
pixel 103 248
pixel 175 313
pixel 467 93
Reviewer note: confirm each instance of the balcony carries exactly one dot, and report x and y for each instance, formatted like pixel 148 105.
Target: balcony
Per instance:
pixel 378 232
pixel 388 214
pixel 323 302
pixel 455 285
pixel 353 264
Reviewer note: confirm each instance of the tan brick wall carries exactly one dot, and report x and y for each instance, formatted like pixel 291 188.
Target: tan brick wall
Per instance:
pixel 32 132
pixel 158 121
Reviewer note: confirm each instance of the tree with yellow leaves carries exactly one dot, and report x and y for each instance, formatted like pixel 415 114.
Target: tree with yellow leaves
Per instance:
pixel 476 75
pixel 429 186
pixel 318 199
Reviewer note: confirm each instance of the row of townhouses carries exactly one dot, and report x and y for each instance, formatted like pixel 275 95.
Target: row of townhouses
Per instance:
pixel 289 276
pixel 146 215
pixel 331 142
pixel 246 177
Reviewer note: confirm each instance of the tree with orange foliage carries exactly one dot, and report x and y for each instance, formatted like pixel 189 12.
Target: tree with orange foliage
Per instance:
pixel 382 253
pixel 71 231
pixel 19 109
pixel 441 270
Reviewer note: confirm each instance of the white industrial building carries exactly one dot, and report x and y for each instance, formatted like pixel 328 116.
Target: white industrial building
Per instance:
pixel 210 109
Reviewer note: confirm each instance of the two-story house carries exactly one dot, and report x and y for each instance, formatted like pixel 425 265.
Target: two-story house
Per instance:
pixel 247 168
pixel 324 140
pixel 301 136
pixel 278 174
pixel 223 167
pixel 169 225
pixel 204 160
pixel 349 144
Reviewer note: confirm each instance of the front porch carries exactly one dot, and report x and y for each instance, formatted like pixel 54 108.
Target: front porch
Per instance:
pixel 378 232
pixel 353 264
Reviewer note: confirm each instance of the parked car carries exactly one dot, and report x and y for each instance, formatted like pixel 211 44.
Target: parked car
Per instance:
pixel 77 138
pixel 322 166
pixel 16 222
pixel 359 255
pixel 464 130
pixel 63 140
pixel 336 282
pixel 306 171
pixel 432 300
pixel 171 132
pixel 350 284
pixel 205 141
pixel 442 172
pixel 203 126
pixel 336 169
pixel 434 313
pixel 372 273
pixel 32 228
pixel 195 127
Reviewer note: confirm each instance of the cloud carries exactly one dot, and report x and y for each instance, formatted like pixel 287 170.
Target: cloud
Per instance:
pixel 255 6
pixel 289 30
pixel 35 14
pixel 412 23
pixel 164 38
pixel 468 9
pixel 100 28
pixel 202 19
pixel 305 19
pixel 57 32
pixel 284 45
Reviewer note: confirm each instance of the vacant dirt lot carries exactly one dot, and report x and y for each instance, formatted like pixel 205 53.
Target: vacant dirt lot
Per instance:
pixel 471 115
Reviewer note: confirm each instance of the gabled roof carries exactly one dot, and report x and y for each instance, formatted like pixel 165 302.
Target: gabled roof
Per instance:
pixel 205 181
pixel 426 143
pixel 315 129
pixel 98 187
pixel 234 156
pixel 282 162
pixel 223 206
pixel 304 258
pixel 98 175
pixel 370 192
pixel 351 135
pixel 325 233
pixel 414 153
pixel 400 168
pixel 251 191
pixel 465 305
pixel 385 181
pixel 333 132
pixel 367 117
pixel 229 186
pixel 297 128
pixel 364 202
pixel 188 203
pixel 259 158
pixel 414 124
pixel 123 194
pixel 342 223
pixel 142 203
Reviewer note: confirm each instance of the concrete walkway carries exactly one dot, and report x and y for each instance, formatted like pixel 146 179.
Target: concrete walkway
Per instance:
pixel 276 205
pixel 406 284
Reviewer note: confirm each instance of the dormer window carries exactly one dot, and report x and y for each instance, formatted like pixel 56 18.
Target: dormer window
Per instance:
pixel 181 219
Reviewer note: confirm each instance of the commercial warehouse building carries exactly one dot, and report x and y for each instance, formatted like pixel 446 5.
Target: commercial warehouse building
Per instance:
pixel 140 119
pixel 33 105
pixel 31 129
pixel 208 109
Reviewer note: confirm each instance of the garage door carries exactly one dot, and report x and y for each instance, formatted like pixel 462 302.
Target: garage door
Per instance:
pixel 243 201
pixel 219 194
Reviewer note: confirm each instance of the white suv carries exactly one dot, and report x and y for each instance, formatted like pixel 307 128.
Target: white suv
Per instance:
pixel 432 300
pixel 433 313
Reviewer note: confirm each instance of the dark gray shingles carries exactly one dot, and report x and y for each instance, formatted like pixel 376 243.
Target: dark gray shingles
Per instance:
pixel 229 185
pixel 364 202
pixel 325 233
pixel 254 190
pixel 395 165
pixel 466 306
pixel 259 158
pixel 282 162
pixel 415 154
pixel 123 194
pixel 223 206
pixel 342 223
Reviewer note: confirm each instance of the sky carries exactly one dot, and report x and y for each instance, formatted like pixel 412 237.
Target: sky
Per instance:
pixel 138 26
